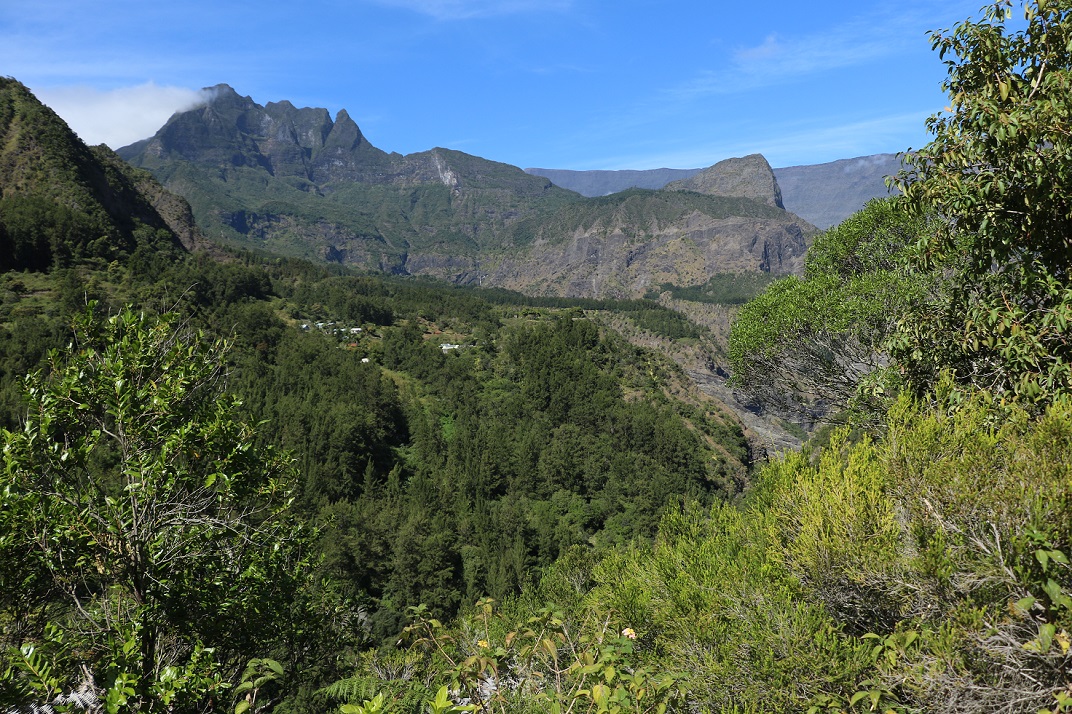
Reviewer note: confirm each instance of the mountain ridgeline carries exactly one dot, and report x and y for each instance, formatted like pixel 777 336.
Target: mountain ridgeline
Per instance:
pixel 822 194
pixel 293 181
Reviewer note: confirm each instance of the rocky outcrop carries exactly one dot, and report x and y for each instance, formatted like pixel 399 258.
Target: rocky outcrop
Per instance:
pixel 746 177
pixel 233 131
pixel 173 209
pixel 822 194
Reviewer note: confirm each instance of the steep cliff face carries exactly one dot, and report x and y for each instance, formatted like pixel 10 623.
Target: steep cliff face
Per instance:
pixel 629 250
pixel 232 131
pixel 727 218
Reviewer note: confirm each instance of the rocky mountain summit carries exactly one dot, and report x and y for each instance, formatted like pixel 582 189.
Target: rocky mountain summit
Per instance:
pixel 311 150
pixel 232 131
pixel 747 177
pixel 293 181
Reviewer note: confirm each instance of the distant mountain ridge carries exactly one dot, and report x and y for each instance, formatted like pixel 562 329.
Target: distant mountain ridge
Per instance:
pixel 822 194
pixel 293 181
pixel 826 194
pixel 603 183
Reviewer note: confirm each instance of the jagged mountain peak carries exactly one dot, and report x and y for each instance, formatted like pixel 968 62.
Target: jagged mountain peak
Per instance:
pixel 230 131
pixel 346 133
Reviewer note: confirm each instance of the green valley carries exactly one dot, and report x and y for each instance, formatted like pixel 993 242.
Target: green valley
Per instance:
pixel 385 434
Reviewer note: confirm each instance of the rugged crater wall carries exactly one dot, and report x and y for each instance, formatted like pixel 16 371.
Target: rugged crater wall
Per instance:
pixel 613 262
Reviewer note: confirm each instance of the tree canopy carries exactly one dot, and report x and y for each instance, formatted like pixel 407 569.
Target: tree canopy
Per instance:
pixel 821 336
pixel 976 281
pixel 998 177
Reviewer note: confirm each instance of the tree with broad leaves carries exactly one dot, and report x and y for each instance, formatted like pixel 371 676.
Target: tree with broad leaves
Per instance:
pixel 145 540
pixel 819 342
pixel 998 175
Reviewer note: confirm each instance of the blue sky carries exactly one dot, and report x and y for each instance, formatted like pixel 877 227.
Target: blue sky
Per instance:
pixel 575 84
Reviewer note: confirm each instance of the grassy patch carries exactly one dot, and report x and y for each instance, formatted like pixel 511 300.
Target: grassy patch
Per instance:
pixel 720 289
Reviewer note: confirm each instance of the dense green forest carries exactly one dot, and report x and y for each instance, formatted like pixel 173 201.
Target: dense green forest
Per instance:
pixel 419 475
pixel 276 486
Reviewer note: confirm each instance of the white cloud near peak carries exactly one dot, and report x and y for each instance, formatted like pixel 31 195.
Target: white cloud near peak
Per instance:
pixel 120 116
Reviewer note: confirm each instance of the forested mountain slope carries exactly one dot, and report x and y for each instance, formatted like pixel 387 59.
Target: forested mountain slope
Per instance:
pixel 447 443
pixel 61 201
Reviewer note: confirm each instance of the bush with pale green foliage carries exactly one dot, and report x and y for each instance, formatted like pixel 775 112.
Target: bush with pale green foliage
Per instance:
pixel 927 572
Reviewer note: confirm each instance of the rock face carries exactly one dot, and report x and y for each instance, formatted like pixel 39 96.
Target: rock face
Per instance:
pixel 614 261
pixel 294 181
pixel 747 177
pixel 232 131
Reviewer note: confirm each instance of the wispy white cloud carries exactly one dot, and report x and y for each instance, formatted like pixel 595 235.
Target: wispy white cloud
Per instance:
pixel 788 145
pixel 470 9
pixel 780 59
pixel 882 34
pixel 120 116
